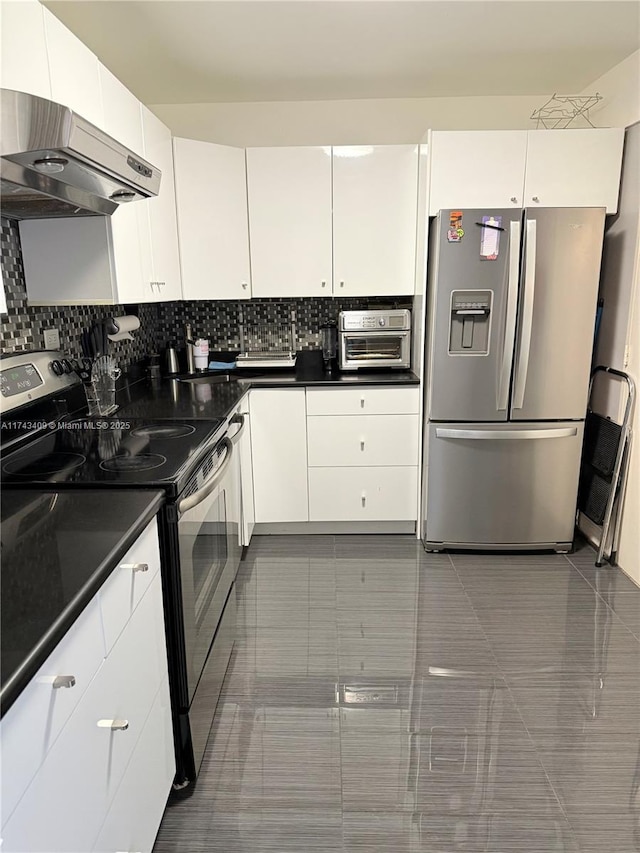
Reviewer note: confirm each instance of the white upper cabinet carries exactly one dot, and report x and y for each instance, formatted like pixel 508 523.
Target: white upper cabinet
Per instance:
pixel 545 168
pixel 375 200
pixel 476 169
pixel 289 192
pixel 23 51
pixel 164 282
pixel 130 223
pixel 89 260
pixel 574 168
pixel 211 200
pixel 122 118
pixel 74 70
pixel 131 251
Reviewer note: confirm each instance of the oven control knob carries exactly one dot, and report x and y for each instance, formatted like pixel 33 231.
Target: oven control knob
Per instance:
pixel 57 367
pixel 382 321
pixel 66 365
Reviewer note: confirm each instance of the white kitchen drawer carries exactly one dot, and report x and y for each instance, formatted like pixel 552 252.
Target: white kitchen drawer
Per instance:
pixel 32 724
pixel 121 594
pixel 137 808
pixel 363 494
pixel 64 807
pixel 362 440
pixel 362 401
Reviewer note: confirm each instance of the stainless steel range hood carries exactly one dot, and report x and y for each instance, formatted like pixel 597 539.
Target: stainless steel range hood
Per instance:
pixel 54 163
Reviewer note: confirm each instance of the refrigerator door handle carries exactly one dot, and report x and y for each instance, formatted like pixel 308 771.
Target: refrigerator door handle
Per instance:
pixel 507 434
pixel 511 316
pixel 527 314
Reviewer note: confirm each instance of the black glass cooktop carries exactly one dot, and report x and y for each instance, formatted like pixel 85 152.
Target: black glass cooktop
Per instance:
pixel 121 453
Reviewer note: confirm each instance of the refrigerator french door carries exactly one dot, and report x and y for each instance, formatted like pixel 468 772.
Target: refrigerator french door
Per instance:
pixel 512 300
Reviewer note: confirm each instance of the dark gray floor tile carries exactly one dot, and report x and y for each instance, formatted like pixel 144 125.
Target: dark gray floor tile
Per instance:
pixel 357 575
pixel 304 546
pixel 377 547
pixel 477 833
pixel 560 640
pixel 591 773
pixel 617 831
pixel 262 831
pixel 606 578
pixel 626 606
pixel 382 699
pixel 518 580
pixel 578 702
pixel 474 561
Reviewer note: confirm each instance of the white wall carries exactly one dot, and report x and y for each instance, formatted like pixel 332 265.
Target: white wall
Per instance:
pixel 620 89
pixel 629 549
pixel 381 121
pixel 619 337
pixel 391 120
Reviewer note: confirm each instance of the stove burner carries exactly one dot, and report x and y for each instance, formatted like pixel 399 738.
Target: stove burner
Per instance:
pixel 25 465
pixel 167 430
pixel 141 462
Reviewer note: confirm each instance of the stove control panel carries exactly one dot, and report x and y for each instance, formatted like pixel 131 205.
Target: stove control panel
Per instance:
pixel 31 375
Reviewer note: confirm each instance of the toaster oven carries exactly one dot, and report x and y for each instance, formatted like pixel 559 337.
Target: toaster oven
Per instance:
pixel 374 338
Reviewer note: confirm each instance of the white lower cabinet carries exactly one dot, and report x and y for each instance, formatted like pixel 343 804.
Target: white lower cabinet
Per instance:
pixel 363 494
pixel 335 454
pixel 108 773
pixel 33 723
pixel 363 454
pixel 127 585
pixel 137 808
pixel 279 449
pixel 362 440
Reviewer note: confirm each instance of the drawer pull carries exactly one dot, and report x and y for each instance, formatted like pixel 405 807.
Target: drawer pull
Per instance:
pixel 64 681
pixel 135 567
pixel 114 725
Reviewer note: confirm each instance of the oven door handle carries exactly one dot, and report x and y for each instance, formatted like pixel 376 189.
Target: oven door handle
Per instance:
pixel 238 418
pixel 197 497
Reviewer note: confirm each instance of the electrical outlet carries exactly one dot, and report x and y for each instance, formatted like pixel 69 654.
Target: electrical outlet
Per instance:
pixel 51 339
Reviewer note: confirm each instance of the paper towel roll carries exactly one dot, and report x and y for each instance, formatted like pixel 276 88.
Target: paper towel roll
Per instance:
pixel 123 327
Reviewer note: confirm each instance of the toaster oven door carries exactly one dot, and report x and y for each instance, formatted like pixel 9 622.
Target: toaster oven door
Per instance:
pixel 375 349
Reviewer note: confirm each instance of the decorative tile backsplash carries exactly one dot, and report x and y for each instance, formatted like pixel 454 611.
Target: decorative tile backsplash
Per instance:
pixel 160 323
pixel 220 321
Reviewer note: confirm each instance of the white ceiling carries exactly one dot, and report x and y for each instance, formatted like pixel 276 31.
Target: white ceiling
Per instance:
pixel 201 51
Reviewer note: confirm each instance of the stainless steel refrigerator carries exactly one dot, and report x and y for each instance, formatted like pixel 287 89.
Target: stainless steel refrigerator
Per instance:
pixel 510 321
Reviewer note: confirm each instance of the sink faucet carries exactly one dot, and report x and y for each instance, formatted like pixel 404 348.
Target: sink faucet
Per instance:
pixel 191 362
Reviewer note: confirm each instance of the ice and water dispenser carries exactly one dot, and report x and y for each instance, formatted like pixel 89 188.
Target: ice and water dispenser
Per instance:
pixel 469 323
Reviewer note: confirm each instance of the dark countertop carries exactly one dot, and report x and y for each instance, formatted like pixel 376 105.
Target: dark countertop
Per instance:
pixel 58 548
pixel 218 393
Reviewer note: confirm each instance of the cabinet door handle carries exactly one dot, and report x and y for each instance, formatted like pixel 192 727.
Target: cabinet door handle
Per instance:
pixel 535 198
pixel 362 402
pixel 245 285
pixel 514 199
pixel 135 567
pixel 342 284
pixel 64 681
pixel 364 499
pixel 362 444
pixel 114 725
pixel 323 283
